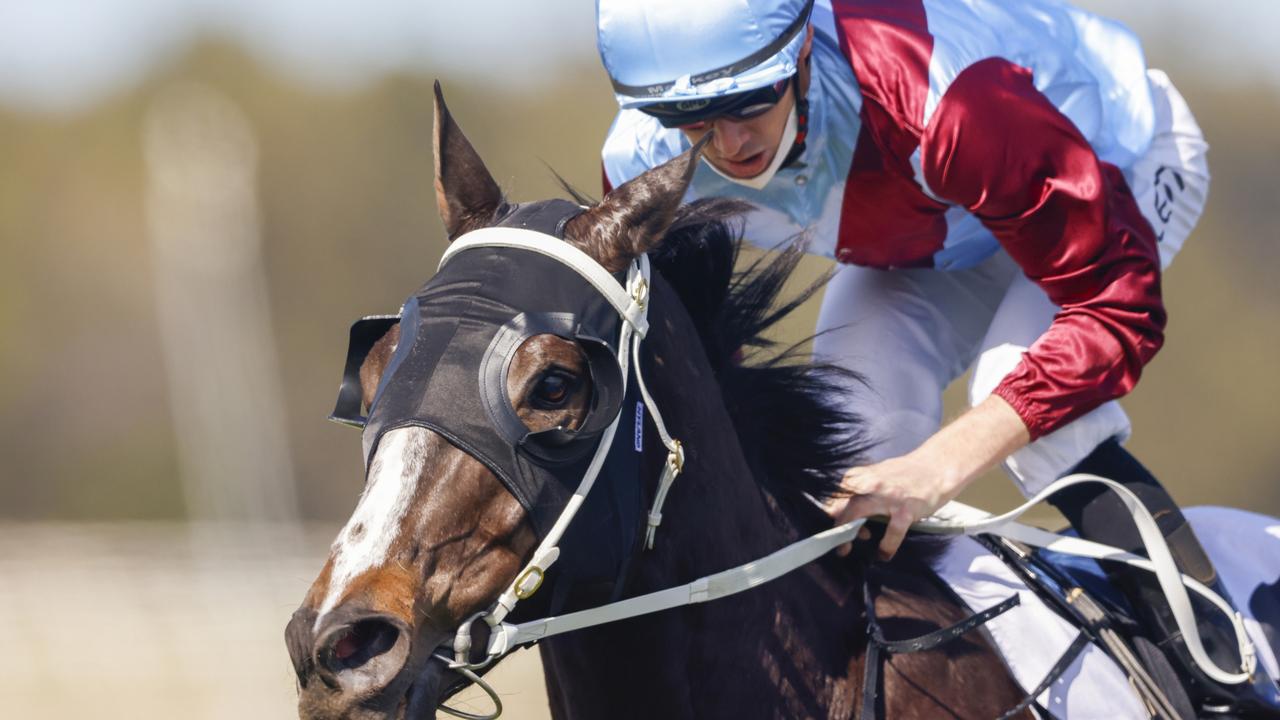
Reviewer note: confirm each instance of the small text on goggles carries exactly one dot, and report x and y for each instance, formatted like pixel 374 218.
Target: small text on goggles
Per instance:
pixel 738 106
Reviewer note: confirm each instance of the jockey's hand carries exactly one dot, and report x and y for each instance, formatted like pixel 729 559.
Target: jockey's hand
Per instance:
pixel 905 489
pixel 901 490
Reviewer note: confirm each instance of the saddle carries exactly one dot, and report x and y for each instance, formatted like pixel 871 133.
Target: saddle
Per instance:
pixel 1061 576
pixel 1078 590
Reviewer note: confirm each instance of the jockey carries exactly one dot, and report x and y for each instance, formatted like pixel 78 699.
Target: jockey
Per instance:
pixel 1002 184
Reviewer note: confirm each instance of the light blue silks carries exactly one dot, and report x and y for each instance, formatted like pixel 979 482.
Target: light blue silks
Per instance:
pixel 1092 69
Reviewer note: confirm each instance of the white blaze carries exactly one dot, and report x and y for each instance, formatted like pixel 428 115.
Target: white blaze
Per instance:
pixel 364 542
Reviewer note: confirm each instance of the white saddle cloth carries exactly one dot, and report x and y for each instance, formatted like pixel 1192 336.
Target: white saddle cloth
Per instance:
pixel 1244 546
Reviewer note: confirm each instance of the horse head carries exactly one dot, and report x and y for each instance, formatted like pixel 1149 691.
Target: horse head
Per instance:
pixel 479 409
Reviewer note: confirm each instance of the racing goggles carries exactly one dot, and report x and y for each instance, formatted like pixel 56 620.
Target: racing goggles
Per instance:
pixel 685 114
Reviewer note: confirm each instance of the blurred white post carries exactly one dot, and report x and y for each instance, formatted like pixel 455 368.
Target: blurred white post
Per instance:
pixel 214 311
pixel 223 378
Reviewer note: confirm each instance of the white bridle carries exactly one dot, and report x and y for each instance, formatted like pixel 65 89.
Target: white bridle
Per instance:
pixel 632 304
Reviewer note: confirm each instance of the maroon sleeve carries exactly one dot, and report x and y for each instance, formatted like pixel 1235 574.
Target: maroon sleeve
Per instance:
pixel 997 146
pixel 604 180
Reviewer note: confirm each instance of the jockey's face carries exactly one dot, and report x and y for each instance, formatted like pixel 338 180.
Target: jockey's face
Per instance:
pixel 745 148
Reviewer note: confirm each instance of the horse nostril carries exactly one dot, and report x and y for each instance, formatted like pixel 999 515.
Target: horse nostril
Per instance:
pixel 351 647
pixel 359 653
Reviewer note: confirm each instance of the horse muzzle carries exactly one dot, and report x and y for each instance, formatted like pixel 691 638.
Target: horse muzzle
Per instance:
pixel 353 664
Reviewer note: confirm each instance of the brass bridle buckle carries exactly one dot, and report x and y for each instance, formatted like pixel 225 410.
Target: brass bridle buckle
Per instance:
pixel 640 292
pixel 529 582
pixel 676 457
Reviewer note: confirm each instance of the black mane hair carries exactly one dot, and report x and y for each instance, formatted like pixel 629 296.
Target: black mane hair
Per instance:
pixel 797 438
pixel 797 435
pixel 790 412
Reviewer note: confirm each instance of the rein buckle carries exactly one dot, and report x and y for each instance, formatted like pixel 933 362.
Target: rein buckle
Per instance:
pixel 529 582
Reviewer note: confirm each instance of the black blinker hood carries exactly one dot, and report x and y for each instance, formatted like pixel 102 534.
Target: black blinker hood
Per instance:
pixel 458 335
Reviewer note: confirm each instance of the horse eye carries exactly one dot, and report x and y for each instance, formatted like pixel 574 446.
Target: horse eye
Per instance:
pixel 552 390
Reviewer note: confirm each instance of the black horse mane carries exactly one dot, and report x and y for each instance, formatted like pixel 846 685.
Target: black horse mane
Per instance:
pixel 797 438
pixel 789 411
pixel 797 435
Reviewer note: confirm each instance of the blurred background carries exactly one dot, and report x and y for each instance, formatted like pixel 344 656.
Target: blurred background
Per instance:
pixel 197 198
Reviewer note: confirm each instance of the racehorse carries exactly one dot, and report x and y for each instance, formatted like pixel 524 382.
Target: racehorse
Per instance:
pixel 441 529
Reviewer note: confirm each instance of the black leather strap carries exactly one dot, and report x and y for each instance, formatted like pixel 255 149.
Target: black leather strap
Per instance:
pixel 876 644
pixel 871 684
pixel 947 634
pixel 1068 658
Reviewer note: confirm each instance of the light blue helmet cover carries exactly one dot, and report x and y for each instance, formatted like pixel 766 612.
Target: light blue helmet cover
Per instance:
pixel 678 50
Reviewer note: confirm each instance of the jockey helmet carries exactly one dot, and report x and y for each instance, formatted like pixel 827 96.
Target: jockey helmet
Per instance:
pixel 689 54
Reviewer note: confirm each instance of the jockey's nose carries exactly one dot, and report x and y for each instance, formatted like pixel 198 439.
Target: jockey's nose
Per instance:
pixel 729 137
pixel 353 650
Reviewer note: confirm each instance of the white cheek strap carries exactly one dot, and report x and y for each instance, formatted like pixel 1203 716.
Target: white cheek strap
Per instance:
pixel 632 305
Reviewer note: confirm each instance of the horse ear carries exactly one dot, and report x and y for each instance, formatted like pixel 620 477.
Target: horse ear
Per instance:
pixel 466 193
pixel 633 219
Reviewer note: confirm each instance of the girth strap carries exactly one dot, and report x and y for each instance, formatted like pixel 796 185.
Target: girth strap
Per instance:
pixel 876 644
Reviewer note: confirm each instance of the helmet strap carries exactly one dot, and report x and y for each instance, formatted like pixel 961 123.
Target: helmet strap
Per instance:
pixel 802 118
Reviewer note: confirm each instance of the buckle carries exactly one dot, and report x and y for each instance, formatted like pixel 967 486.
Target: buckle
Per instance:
pixel 529 582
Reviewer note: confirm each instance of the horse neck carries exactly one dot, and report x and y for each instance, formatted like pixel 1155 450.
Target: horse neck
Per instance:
pixel 789 648
pixel 754 652
pixel 716 512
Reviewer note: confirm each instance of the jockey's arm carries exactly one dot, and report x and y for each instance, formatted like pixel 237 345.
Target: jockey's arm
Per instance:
pixel 998 147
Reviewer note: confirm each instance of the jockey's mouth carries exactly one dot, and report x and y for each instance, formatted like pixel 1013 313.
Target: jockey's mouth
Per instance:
pixel 748 167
